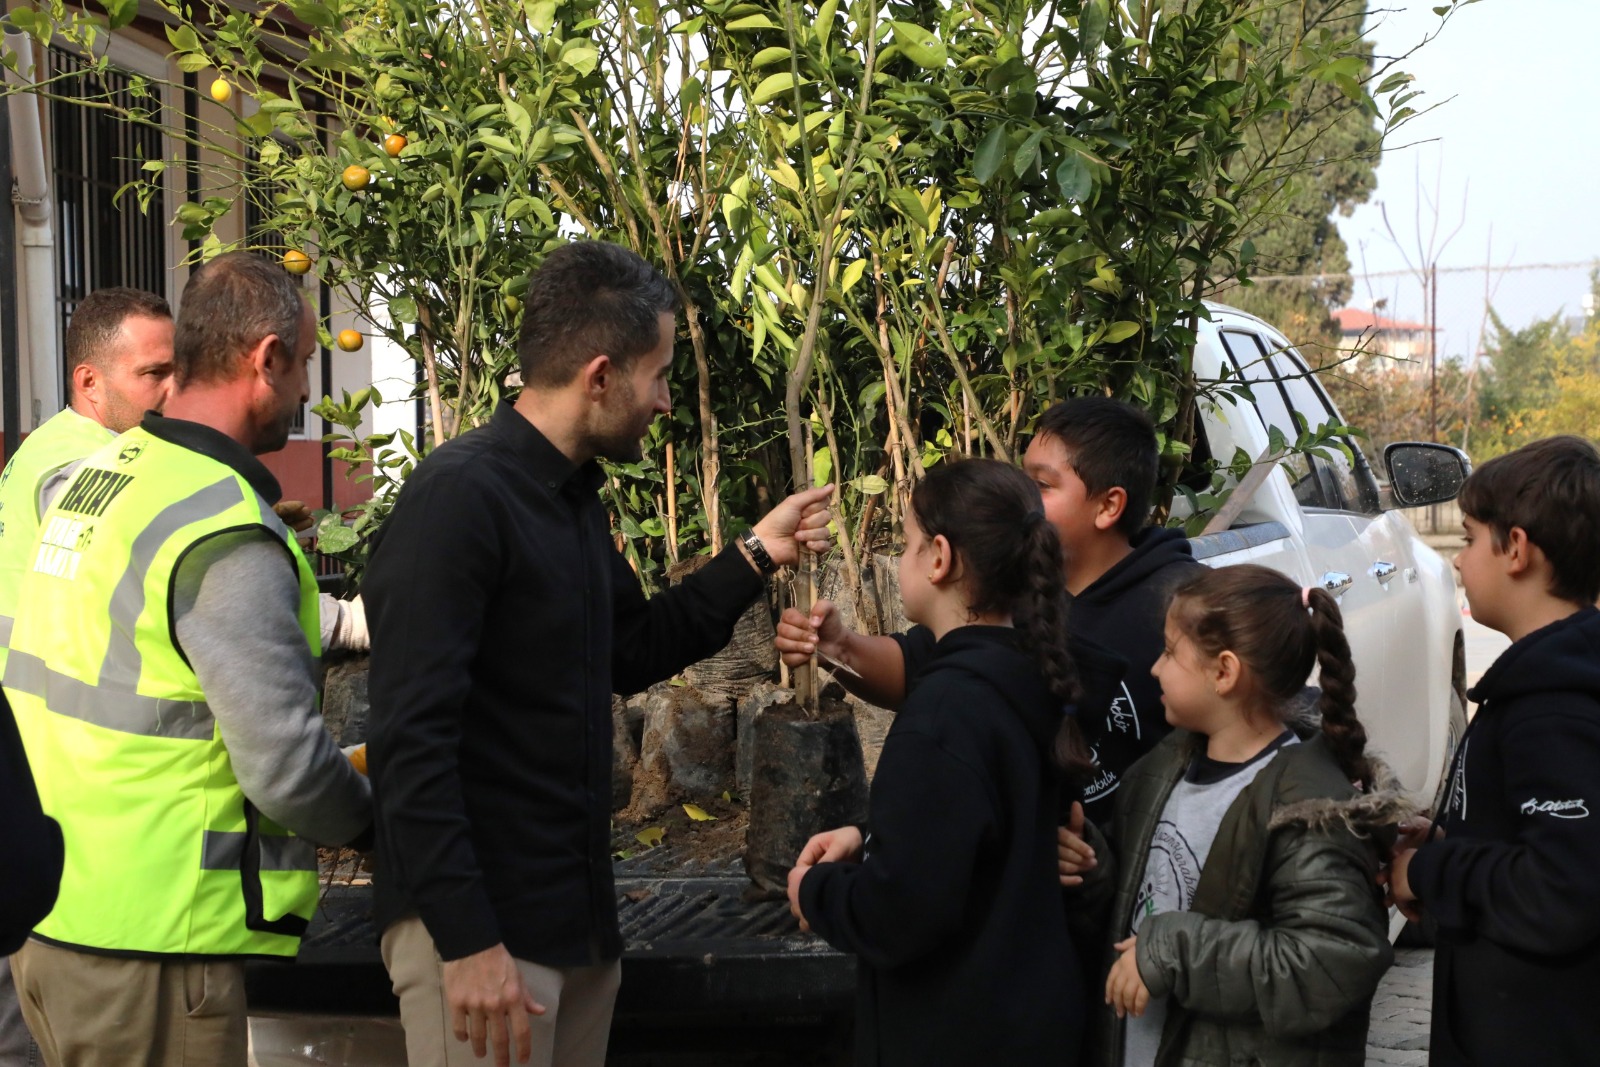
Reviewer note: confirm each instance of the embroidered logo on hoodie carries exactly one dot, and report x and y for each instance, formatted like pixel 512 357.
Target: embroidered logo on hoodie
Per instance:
pixel 1560 809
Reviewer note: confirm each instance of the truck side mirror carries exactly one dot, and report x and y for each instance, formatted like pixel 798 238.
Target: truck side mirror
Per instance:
pixel 1421 473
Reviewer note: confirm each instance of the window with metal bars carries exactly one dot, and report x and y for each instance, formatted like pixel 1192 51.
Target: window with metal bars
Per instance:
pixel 102 239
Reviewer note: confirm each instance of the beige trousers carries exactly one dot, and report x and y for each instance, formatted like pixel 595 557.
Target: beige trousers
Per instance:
pixel 573 1031
pixel 87 1010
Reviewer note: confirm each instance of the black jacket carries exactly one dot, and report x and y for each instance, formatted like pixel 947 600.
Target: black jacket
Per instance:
pixel 1515 882
pixel 955 912
pixel 1125 610
pixel 502 619
pixel 30 841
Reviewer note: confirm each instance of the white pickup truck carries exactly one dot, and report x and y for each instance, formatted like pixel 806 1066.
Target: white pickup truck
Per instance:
pixel 703 965
pixel 1328 522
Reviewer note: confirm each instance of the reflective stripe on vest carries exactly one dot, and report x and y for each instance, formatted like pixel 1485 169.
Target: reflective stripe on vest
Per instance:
pixel 164 853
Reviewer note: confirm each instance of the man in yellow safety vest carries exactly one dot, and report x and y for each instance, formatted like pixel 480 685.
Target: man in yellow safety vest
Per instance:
pixel 162 672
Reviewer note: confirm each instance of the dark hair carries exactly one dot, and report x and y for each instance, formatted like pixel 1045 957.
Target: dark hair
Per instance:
pixel 98 318
pixel 1279 631
pixel 1551 489
pixel 1110 445
pixel 585 299
pixel 229 305
pixel 991 514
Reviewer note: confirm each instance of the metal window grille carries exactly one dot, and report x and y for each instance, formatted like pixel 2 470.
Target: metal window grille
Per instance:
pixel 103 240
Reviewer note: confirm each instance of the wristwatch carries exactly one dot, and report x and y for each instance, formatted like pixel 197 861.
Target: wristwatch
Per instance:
pixel 758 552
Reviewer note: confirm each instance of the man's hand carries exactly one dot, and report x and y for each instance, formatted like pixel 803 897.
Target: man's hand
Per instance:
pixel 832 846
pixel 1073 854
pixel 295 515
pixel 800 521
pixel 822 632
pixel 489 1005
pixel 1125 989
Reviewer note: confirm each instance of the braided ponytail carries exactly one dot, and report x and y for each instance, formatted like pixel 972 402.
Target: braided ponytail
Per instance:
pixel 1343 733
pixel 1040 617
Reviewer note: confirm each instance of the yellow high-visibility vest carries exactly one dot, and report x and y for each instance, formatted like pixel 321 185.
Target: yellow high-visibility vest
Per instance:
pixel 164 855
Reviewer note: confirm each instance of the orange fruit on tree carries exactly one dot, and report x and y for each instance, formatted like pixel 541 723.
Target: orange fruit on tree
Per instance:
pixel 355 178
pixel 349 340
pixel 394 144
pixel 296 261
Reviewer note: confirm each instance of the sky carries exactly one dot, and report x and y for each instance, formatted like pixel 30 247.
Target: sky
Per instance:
pixel 1511 157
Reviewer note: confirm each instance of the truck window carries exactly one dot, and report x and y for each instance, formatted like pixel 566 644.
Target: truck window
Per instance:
pixel 1314 486
pixel 1357 488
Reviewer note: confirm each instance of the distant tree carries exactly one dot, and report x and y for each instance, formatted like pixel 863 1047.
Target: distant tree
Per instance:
pixel 1299 234
pixel 1520 383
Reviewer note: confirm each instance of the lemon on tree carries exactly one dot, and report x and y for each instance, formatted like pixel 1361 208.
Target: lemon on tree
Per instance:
pixel 221 91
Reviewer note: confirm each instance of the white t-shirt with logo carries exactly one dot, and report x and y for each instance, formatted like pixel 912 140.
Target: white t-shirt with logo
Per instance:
pixel 1178 850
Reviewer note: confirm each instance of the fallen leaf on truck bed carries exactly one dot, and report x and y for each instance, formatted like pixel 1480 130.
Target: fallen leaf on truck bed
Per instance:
pixel 650 837
pixel 698 814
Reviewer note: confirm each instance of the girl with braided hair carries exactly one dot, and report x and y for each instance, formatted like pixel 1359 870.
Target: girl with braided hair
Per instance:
pixel 1246 922
pixel 951 902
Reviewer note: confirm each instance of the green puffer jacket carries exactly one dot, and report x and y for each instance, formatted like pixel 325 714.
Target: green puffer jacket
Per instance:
pixel 1278 959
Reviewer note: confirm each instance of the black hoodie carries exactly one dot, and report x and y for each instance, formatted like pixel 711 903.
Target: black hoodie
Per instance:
pixel 955 911
pixel 1125 610
pixel 1515 881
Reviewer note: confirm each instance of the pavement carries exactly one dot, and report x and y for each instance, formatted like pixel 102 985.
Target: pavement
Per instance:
pixel 1398 1035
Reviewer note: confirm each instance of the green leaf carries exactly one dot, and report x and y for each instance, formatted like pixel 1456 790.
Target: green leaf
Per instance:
pixel 402 310
pixel 909 204
pixel 771 86
pixel 991 153
pixel 821 467
pixel 921 45
pixel 581 56
pixel 121 12
pixel 768 56
pixel 1027 156
pixel 183 38
pixel 852 275
pixel 541 15
pixel 753 22
pixel 1075 178
pixel 1092 24
pixel 334 537
pixel 1121 331
pixel 870 485
pixel 1247 32
pixel 189 62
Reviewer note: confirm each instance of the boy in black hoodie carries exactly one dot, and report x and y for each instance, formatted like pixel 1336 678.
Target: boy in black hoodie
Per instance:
pixel 1511 877
pixel 1095 462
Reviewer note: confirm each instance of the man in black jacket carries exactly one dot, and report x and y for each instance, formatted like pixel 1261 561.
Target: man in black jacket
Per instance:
pixel 1511 879
pixel 503 618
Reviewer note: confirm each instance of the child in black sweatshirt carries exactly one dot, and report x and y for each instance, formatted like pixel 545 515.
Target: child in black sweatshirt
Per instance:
pixel 951 902
pixel 1510 867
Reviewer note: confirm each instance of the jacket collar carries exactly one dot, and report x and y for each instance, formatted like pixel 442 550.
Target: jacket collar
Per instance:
pixel 214 444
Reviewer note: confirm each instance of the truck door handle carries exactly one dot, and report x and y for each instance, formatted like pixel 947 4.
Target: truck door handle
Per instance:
pixel 1336 582
pixel 1383 572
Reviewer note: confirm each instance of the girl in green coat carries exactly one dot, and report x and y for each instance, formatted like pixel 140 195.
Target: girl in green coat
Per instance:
pixel 1246 924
